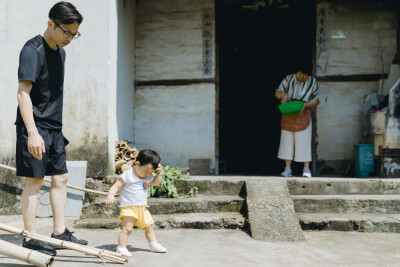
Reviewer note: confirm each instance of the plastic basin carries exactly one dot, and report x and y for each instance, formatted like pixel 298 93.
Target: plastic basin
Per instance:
pixel 291 108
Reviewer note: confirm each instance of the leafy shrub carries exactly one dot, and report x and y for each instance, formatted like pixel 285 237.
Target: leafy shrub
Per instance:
pixel 167 187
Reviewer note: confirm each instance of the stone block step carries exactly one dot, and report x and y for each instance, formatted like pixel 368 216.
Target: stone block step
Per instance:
pixel 195 204
pixel 342 186
pixel 366 222
pixel 98 209
pixel 228 220
pixel 211 185
pixel 389 204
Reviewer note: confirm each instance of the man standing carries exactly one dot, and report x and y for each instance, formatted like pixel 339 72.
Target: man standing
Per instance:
pixel 40 141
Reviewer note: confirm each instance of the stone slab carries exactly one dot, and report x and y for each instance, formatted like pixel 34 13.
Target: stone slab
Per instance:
pixel 181 204
pixel 339 186
pixel 220 220
pixel 210 186
pixel 75 198
pixel 347 203
pixel 360 222
pixel 271 212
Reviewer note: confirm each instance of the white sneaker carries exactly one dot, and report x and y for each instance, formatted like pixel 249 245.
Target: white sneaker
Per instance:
pixel 156 247
pixel 124 251
pixel 306 172
pixel 287 172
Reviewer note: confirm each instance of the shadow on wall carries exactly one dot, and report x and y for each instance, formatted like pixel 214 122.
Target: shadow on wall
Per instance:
pixel 10 191
pixel 93 151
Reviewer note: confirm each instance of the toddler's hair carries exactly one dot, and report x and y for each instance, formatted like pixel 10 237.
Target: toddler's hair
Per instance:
pixel 148 156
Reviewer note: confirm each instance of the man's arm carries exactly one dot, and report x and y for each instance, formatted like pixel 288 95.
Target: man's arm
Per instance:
pixel 35 141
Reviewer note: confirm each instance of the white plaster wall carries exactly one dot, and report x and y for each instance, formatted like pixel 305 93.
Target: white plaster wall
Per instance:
pixel 169 39
pixel 369 27
pixel 371 33
pixel 339 118
pixel 88 76
pixel 176 122
pixel 125 69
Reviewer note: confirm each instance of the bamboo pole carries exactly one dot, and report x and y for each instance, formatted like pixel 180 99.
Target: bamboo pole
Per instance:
pixel 100 253
pixel 69 186
pixel 23 254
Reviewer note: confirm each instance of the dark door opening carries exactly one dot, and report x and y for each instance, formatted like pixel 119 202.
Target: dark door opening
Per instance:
pixel 257 48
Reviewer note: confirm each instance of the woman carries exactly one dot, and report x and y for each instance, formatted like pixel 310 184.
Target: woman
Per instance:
pixel 297 129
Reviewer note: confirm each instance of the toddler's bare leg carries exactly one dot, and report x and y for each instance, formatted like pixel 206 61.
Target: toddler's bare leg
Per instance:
pixel 150 234
pixel 127 227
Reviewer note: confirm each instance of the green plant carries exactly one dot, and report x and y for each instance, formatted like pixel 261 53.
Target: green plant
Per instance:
pixel 167 187
pixel 192 192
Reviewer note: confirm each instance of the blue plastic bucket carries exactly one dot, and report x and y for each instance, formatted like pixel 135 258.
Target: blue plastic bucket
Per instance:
pixel 364 159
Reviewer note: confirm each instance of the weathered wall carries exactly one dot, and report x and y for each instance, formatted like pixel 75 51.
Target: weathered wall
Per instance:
pixel 178 121
pixel 88 78
pixel 370 33
pixel 125 69
pixel 339 118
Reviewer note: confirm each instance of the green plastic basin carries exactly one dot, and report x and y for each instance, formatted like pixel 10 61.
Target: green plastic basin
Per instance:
pixel 291 108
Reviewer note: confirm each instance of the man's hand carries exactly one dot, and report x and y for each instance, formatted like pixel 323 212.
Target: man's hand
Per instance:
pixel 160 170
pixel 110 200
pixel 36 145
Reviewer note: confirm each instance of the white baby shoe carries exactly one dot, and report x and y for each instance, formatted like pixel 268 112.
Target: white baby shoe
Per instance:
pixel 156 247
pixel 124 251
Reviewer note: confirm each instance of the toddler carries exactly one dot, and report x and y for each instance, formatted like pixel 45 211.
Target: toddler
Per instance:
pixel 133 185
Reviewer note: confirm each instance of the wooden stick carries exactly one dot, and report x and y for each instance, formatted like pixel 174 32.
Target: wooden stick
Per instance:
pixel 23 254
pixel 69 186
pixel 102 254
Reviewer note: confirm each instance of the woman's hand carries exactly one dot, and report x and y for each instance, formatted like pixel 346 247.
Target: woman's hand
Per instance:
pixel 304 106
pixel 285 98
pixel 110 200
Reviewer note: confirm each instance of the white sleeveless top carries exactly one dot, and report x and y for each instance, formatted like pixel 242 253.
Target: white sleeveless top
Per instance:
pixel 134 192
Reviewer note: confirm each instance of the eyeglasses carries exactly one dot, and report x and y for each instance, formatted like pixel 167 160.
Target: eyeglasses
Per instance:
pixel 68 34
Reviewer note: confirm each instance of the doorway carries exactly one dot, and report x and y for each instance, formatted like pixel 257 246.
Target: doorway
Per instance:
pixel 258 45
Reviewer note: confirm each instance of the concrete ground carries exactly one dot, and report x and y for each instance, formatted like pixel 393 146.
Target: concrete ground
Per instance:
pixel 190 247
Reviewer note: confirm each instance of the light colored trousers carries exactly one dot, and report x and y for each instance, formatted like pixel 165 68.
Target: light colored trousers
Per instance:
pixel 296 144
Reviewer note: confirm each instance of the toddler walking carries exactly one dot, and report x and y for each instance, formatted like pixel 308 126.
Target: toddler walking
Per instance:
pixel 133 185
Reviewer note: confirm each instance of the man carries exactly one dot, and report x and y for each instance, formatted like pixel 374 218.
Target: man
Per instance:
pixel 40 141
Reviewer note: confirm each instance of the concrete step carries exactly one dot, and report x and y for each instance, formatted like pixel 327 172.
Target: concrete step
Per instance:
pixel 98 209
pixel 195 204
pixel 342 186
pixel 211 185
pixel 366 222
pixel 219 220
pixel 389 204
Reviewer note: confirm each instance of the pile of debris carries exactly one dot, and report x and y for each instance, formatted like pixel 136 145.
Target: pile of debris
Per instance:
pixel 125 156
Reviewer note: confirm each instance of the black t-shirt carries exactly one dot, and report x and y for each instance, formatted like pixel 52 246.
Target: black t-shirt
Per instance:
pixel 44 67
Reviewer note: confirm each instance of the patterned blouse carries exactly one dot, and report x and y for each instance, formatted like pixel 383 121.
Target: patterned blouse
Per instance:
pixel 304 91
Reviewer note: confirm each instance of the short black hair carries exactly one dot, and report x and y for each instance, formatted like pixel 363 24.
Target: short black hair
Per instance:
pixel 148 156
pixel 65 13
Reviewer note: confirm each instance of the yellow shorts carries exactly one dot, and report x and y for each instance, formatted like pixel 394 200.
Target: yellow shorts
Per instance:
pixel 141 215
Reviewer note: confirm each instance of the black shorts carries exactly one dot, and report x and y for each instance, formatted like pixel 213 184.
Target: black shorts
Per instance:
pixel 53 161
